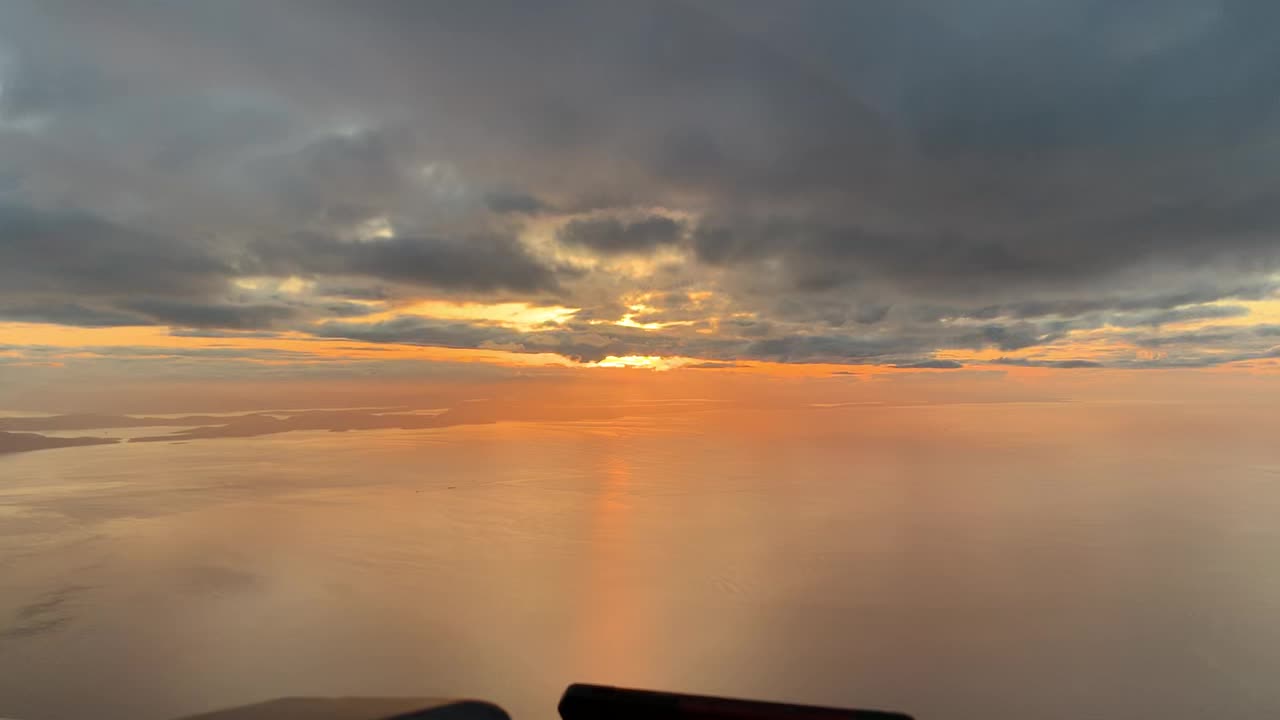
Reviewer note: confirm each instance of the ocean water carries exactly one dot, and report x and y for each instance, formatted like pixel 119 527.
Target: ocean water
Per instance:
pixel 1055 560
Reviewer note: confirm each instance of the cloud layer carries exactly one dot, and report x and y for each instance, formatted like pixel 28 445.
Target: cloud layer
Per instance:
pixel 921 185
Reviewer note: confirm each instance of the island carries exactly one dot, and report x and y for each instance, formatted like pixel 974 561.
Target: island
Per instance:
pixel 22 442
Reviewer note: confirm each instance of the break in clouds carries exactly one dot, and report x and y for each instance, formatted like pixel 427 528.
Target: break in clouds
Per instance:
pixel 871 182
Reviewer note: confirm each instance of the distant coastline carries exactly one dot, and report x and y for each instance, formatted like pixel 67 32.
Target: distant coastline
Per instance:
pixel 23 442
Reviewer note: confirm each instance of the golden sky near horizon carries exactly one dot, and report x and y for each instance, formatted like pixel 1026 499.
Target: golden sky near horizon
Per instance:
pixel 58 343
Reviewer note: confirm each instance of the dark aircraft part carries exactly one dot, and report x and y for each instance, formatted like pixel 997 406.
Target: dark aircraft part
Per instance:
pixel 360 709
pixel 599 702
pixel 580 702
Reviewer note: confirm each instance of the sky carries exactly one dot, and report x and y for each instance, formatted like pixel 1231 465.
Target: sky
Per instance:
pixel 450 192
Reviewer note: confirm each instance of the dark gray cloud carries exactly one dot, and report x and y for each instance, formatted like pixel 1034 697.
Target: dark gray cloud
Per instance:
pixel 931 365
pixel 610 236
pixel 854 182
pixel 420 331
pixel 67 313
pixel 1186 303
pixel 1071 364
pixel 66 253
pixel 196 315
pixel 482 263
pixel 825 348
pixel 1063 364
pixel 1198 338
pixel 76 269
pixel 504 201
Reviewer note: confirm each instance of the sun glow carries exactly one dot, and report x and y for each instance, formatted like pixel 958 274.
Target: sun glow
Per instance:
pixel 646 362
pixel 628 320
pixel 516 315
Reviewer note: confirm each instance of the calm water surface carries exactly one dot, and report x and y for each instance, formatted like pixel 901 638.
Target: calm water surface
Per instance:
pixel 1010 561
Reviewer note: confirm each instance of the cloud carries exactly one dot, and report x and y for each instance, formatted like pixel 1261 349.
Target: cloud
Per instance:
pixel 1063 364
pixel 67 313
pixel 1075 364
pixel 1197 339
pixel 199 332
pixel 1179 315
pixel 196 315
pixel 68 253
pixel 482 263
pixel 501 201
pixel 1119 308
pixel 610 236
pixel 931 365
pixel 420 331
pixel 836 182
